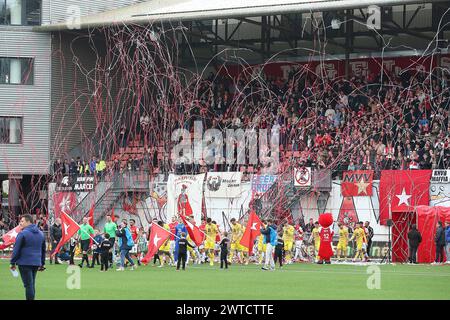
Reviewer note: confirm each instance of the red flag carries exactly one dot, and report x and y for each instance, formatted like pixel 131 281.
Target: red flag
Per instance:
pixel 403 190
pixel 194 232
pixel 158 235
pixel 183 205
pixel 64 202
pixel 251 231
pixel 357 183
pixel 10 237
pixel 69 228
pixel 113 218
pixel 347 212
pixel 91 220
pixel 91 215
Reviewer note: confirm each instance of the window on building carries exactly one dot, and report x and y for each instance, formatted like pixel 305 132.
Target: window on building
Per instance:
pixel 20 12
pixel 2 12
pixel 10 130
pixel 33 13
pixel 16 71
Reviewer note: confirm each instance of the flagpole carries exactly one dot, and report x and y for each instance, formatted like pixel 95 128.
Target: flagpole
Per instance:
pixel 80 228
pixel 165 229
pixel 204 233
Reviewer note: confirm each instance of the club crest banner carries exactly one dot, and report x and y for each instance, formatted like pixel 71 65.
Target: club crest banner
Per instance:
pixel 223 184
pixel 184 195
pixel 357 183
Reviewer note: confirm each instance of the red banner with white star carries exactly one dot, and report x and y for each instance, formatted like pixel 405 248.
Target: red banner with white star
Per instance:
pixel 64 202
pixel 10 237
pixel 158 235
pixel 357 183
pixel 402 191
pixel 252 230
pixel 68 227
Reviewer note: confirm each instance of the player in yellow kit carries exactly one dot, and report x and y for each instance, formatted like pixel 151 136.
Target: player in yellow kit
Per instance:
pixel 261 249
pixel 190 252
pixel 316 238
pixel 210 241
pixel 360 235
pixel 236 234
pixel 164 250
pixel 288 238
pixel 244 250
pixel 341 248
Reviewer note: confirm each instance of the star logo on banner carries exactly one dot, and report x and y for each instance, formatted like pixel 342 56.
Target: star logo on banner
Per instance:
pixel 156 239
pixel 403 198
pixel 65 204
pixel 66 227
pixel 362 186
pixel 13 234
pixel 254 225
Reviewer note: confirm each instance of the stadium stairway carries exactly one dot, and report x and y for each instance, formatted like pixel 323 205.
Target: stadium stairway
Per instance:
pixel 107 194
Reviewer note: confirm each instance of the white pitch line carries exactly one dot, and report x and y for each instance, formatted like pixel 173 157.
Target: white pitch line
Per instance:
pixel 338 271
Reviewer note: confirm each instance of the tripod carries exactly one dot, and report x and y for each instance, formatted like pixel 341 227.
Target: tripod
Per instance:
pixel 389 252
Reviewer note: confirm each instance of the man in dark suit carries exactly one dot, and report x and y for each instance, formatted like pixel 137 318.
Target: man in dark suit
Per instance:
pixel 29 254
pixel 55 237
pixel 439 240
pixel 414 240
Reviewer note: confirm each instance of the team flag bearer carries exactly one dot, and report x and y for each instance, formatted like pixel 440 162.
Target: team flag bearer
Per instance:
pixel 69 228
pixel 251 232
pixel 158 235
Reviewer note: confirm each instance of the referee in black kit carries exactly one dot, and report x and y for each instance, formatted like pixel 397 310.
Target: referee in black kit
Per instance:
pixel 182 251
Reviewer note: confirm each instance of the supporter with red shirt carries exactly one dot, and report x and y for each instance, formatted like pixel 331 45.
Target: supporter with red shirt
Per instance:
pixel 134 230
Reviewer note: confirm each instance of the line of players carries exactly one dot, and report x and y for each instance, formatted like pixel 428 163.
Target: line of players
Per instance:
pixel 208 252
pixel 361 235
pixel 290 241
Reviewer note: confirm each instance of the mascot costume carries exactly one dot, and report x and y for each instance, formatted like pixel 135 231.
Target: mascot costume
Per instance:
pixel 326 238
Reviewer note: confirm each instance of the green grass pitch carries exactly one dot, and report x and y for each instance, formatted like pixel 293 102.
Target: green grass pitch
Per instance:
pixel 297 281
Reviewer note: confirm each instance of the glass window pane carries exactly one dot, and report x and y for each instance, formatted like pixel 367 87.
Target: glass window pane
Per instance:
pixel 33 12
pixel 14 12
pixel 10 130
pixel 2 12
pixel 15 130
pixel 27 71
pixel 3 136
pixel 4 70
pixel 15 71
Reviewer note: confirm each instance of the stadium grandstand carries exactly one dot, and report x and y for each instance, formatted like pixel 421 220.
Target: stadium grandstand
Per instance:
pixel 142 109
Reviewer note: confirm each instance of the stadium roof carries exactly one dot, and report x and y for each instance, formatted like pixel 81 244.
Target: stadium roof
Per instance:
pixel 179 10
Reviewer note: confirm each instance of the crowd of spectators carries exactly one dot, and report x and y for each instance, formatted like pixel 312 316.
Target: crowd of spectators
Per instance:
pixel 374 122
